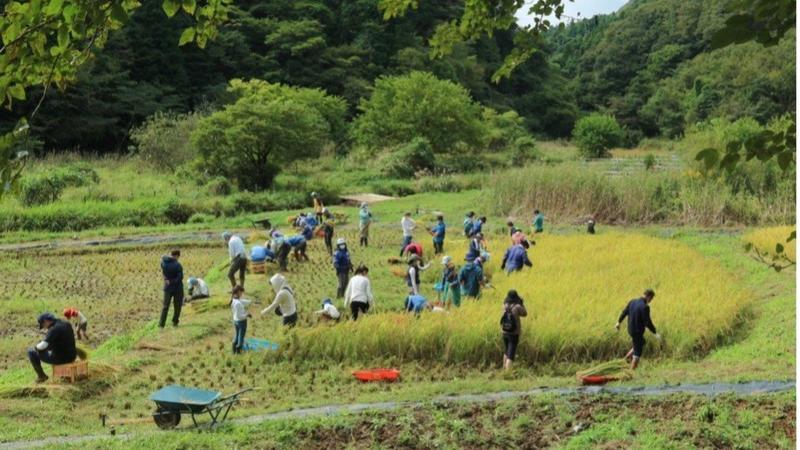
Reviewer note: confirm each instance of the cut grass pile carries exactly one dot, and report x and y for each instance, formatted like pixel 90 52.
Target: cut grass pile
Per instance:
pixel 574 294
pixel 765 240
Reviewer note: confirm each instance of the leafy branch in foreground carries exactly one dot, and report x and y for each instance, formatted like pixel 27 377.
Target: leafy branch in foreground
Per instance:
pixel 778 260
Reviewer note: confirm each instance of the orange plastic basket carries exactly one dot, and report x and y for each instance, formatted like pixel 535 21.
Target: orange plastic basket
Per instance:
pixel 596 379
pixel 377 375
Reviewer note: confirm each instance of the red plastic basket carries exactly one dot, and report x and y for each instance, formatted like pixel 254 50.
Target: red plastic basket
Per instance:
pixel 596 379
pixel 377 375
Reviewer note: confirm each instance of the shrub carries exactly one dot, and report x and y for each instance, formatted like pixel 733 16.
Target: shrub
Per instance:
pixel 596 134
pixel 266 127
pixel 47 187
pixel 502 130
pixel 219 186
pixel 394 188
pixel 200 218
pixel 649 161
pixel 163 140
pixel 405 160
pixel 523 151
pixel 418 104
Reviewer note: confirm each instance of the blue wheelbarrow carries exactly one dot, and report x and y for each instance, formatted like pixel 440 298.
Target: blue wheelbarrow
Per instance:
pixel 172 401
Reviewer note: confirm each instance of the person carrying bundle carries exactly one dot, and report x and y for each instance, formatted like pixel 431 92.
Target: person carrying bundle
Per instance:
pixel 638 313
pixel 79 322
pixel 342 265
pixel 358 295
pixel 284 304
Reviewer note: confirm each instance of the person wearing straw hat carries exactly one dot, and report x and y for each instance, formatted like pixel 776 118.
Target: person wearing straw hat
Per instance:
pixel 57 347
pixel 364 221
pixel 450 286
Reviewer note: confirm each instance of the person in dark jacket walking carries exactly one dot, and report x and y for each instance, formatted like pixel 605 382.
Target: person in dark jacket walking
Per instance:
pixel 515 259
pixel 327 232
pixel 470 277
pixel 638 313
pixel 438 232
pixel 343 266
pixel 511 326
pixel 172 271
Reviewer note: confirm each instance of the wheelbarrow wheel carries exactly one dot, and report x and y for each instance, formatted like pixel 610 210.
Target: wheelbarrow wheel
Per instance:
pixel 166 419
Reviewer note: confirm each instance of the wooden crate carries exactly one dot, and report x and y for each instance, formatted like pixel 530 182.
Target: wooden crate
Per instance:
pixel 257 267
pixel 73 371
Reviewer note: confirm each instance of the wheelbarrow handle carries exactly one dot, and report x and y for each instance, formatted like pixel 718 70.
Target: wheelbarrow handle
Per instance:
pixel 235 394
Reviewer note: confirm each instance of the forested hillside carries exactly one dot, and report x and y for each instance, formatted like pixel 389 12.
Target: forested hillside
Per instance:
pixel 650 65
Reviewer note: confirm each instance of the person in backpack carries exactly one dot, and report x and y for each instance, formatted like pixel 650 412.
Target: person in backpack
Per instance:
pixel 470 278
pixel 516 258
pixel 438 232
pixel 412 274
pixel 511 326
pixel 638 313
pixel 469 221
pixel 342 265
pixel 450 286
pixel 364 221
pixel 172 271
pixel 358 295
pixel 284 303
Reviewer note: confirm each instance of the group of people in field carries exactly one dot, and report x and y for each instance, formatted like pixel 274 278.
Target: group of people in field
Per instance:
pixel 354 287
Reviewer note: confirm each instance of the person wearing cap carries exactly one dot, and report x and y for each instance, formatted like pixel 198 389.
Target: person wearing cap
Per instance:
pixel 342 265
pixel 319 208
pixel 328 311
pixel 197 289
pixel 412 275
pixel 471 278
pixel 469 221
pixel 240 315
pixel 57 347
pixel 511 326
pixel 79 322
pixel 408 225
pixel 516 258
pixel 638 313
pixel 238 258
pixel 364 221
pixel 450 286
pixel 438 232
pixel 284 304
pixel 172 272
pixel 358 295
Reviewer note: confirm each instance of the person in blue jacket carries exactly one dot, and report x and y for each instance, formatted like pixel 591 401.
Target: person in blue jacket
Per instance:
pixel 516 258
pixel 416 304
pixel 299 245
pixel 477 227
pixel 343 266
pixel 469 221
pixel 471 278
pixel 438 232
pixel 476 247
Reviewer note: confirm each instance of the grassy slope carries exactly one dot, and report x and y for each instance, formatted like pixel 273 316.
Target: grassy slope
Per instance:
pixel 764 352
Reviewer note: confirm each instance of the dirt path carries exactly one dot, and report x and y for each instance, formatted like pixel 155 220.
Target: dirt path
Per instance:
pixel 710 389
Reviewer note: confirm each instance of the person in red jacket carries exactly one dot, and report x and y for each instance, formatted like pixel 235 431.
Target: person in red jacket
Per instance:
pixel 414 248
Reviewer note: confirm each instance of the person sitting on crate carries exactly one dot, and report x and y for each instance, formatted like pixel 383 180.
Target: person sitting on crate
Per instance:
pixel 197 289
pixel 57 347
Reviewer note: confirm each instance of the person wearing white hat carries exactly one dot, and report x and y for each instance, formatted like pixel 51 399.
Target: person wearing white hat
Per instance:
pixel 364 220
pixel 284 304
pixel 451 290
pixel 343 266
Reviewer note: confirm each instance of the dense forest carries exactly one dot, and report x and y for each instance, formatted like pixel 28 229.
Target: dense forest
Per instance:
pixel 650 65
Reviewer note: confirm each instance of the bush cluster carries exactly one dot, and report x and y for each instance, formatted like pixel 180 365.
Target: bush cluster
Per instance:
pixel 47 187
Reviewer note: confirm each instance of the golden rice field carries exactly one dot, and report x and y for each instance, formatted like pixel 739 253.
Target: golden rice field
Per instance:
pixel 574 294
pixel 765 239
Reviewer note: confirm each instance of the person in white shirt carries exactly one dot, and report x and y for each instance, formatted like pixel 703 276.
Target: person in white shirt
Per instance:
pixel 328 311
pixel 240 315
pixel 284 304
pixel 412 275
pixel 237 256
pixel 78 321
pixel 408 225
pixel 197 288
pixel 358 294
